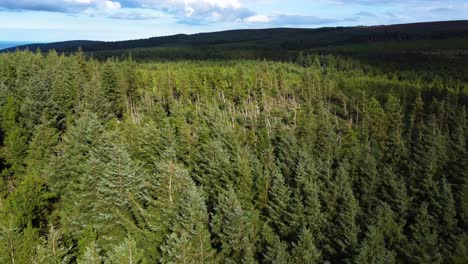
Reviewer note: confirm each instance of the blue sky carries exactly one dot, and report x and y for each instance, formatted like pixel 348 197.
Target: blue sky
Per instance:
pixel 57 20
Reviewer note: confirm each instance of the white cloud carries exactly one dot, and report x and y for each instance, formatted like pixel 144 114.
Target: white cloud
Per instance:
pixel 193 11
pixel 64 6
pixel 186 11
pixel 258 19
pixel 110 5
pixel 191 4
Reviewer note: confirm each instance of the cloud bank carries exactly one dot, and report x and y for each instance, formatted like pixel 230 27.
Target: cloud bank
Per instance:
pixel 64 6
pixel 199 12
pixel 184 11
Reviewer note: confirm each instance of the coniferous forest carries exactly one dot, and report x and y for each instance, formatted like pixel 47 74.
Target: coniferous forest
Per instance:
pixel 320 159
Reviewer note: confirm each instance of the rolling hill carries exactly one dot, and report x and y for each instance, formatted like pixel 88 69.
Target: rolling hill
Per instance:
pixel 287 39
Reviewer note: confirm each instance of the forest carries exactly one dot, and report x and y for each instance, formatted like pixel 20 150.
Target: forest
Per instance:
pixel 319 159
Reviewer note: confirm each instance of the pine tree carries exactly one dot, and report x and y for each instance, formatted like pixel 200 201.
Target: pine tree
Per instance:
pixel 150 222
pixel 87 241
pixel 277 252
pixel 278 209
pixel 308 208
pixel 424 247
pixel 373 250
pixel 52 250
pixel 74 151
pixel 457 165
pixel 189 240
pixel 37 101
pixel 393 192
pixel 91 255
pixel 305 251
pixel 41 150
pixel 394 148
pixel 117 176
pixel 29 240
pixel 28 204
pixel 127 252
pixel 376 121
pixel 112 90
pixel 341 231
pixel 213 168
pixel 424 162
pixel 93 97
pixel 63 88
pixel 367 182
pixel 391 228
pixel 234 233
pixel 74 171
pixel 10 238
pixel 15 138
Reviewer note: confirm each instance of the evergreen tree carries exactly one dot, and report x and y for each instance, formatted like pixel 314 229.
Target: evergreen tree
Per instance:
pixel 424 245
pixel 393 192
pixel 189 240
pixel 9 240
pixel 394 146
pixel 277 252
pixel 112 89
pixel 52 250
pixel 28 204
pixel 41 150
pixel 278 205
pixel 304 250
pixel 308 208
pixel 15 139
pixel 345 160
pixel 234 233
pixel 28 242
pixel 91 255
pixel 117 176
pixel 150 223
pixel 341 232
pixel 126 252
pixel 373 250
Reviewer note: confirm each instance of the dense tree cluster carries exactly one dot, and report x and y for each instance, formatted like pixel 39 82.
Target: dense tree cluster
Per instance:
pixel 324 161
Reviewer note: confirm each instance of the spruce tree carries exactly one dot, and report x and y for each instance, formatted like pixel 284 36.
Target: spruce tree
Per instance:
pixel 279 213
pixel 189 238
pixel 233 230
pixel 126 252
pixel 277 252
pixel 373 250
pixel 112 89
pixel 424 244
pixel 53 249
pixel 305 250
pixel 91 255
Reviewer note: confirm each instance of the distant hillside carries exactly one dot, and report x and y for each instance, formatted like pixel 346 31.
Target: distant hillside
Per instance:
pixel 64 46
pixel 267 42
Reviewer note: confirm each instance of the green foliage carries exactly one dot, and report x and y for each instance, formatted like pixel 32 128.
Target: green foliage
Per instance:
pixel 335 160
pixel 189 240
pixel 14 145
pixel 304 250
pixel 28 203
pixel 53 250
pixel 423 245
pixel 91 255
pixel 373 249
pixel 126 252
pixel 233 226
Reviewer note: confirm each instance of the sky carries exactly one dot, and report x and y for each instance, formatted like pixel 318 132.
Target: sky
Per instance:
pixel 109 20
